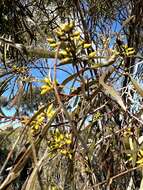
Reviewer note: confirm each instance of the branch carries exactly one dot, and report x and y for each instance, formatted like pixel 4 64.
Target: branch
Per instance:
pixel 29 50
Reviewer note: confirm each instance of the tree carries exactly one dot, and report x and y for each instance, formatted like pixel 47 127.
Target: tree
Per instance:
pixel 80 131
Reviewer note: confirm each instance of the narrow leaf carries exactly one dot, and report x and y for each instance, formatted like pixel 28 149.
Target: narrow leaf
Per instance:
pixel 137 86
pixel 109 90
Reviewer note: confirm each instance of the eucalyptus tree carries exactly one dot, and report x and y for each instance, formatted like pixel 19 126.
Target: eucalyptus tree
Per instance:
pixel 83 119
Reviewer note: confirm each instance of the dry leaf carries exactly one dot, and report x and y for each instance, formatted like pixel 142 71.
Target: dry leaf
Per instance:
pixel 109 90
pixel 137 86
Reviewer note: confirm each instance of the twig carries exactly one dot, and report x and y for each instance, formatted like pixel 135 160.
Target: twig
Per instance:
pixel 118 175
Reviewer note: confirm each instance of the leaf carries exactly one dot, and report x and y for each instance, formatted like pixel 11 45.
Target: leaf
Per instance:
pixel 137 86
pixel 3 86
pixel 133 147
pixel 131 183
pixel 141 184
pixel 109 90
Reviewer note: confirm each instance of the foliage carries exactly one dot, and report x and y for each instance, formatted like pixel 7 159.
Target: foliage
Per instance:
pixel 71 70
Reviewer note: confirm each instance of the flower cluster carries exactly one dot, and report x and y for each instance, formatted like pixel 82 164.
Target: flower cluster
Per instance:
pixel 60 143
pixel 47 87
pixel 97 116
pixel 138 157
pixel 128 51
pixel 125 51
pixel 37 123
pixel 70 42
pixel 19 70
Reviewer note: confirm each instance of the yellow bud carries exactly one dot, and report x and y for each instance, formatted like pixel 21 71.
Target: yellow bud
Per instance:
pixel 57 140
pixel 65 60
pixel 63 52
pixel 54 45
pixel 76 37
pixel 70 156
pixel 51 40
pixel 47 80
pixel 92 54
pixel 87 45
pixel 59 33
pixel 57 131
pixel 65 27
pixel 71 25
pixel 81 42
pixel 43 91
pixel 130 53
pixel 61 137
pixel 125 46
pixel 141 152
pixel 50 111
pixel 36 127
pixel 131 49
pixel 40 119
pixel 68 49
pixel 46 89
pixel 140 161
pixel 68 141
pixel 77 33
pixel 64 152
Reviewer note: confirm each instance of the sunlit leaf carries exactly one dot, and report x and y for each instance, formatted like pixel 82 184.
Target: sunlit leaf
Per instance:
pixel 110 91
pixel 137 87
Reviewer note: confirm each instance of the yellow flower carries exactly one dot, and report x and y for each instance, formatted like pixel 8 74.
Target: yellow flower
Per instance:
pixel 65 60
pixel 45 89
pixel 77 33
pixel 48 87
pixel 140 157
pixel 140 162
pixel 71 24
pixel 67 26
pixel 63 52
pixel 54 45
pixel 81 42
pixel 36 127
pixel 64 152
pixel 40 119
pixel 47 80
pixel 50 111
pixel 125 46
pixel 128 53
pixel 51 40
pixel 76 37
pixel 92 54
pixel 87 45
pixel 59 33
pixel 128 50
pixel 68 49
pixel 68 141
pixel 141 152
